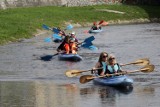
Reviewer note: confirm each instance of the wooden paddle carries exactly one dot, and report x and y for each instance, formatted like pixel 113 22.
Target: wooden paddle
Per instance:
pixel 73 73
pixel 141 62
pixel 86 78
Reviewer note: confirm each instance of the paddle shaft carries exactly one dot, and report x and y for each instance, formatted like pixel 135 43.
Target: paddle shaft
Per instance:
pixel 85 71
pixel 121 73
pixel 87 78
pixel 132 63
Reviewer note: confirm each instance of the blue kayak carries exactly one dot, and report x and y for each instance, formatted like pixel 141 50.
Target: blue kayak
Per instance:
pixel 70 57
pixel 121 80
pixel 95 31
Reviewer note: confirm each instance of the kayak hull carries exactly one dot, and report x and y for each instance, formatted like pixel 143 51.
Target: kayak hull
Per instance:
pixel 95 31
pixel 121 80
pixel 70 57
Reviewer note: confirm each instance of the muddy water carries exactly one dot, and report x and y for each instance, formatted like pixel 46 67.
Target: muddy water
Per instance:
pixel 28 81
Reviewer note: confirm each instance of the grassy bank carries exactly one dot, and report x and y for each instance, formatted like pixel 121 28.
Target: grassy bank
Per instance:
pixel 20 23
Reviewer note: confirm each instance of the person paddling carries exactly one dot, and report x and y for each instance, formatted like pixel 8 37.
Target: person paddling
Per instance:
pixel 73 35
pixel 73 46
pixel 95 26
pixel 112 67
pixel 61 46
pixel 68 46
pixel 102 62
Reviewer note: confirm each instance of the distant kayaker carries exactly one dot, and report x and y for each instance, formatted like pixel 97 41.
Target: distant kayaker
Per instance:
pixel 95 26
pixel 102 62
pixel 112 67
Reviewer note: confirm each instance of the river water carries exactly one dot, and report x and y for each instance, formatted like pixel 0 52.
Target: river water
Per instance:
pixel 28 81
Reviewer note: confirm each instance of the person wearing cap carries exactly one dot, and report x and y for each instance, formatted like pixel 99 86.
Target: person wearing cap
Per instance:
pixel 73 35
pixel 112 67
pixel 102 63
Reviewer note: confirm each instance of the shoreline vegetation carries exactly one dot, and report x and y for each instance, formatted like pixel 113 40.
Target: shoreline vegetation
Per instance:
pixel 19 23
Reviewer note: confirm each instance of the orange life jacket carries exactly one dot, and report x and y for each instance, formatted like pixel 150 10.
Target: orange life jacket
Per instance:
pixel 67 48
pixel 73 48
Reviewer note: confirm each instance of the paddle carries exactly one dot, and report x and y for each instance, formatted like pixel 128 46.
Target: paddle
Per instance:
pixel 103 23
pixel 69 27
pixel 56 36
pixel 48 39
pixel 48 57
pixel 55 30
pixel 73 73
pixel 86 78
pixel 46 27
pixel 141 62
pixel 87 43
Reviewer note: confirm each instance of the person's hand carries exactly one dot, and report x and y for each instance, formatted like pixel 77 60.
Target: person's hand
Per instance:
pixel 93 70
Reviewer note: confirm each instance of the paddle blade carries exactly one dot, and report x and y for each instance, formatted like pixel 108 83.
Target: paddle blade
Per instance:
pixel 104 24
pixel 87 45
pixel 45 27
pixel 89 39
pixel 72 73
pixel 148 68
pixel 85 78
pixel 55 30
pixel 142 62
pixel 92 47
pixel 69 27
pixel 101 22
pixel 56 36
pixel 48 39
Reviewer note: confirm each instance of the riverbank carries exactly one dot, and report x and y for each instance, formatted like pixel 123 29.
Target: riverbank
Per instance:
pixel 19 23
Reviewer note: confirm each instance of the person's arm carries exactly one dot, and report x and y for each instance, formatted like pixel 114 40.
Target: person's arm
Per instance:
pixel 94 68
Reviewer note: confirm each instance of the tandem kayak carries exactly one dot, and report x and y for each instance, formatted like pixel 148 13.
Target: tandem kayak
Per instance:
pixel 121 80
pixel 69 57
pixel 95 31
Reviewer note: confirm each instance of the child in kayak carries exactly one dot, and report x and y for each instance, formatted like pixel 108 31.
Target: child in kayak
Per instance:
pixel 102 62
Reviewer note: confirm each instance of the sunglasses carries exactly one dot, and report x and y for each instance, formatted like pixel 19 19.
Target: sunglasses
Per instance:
pixel 111 58
pixel 105 56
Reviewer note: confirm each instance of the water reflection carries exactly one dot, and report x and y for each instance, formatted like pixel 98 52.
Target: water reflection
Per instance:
pixel 49 94
pixel 17 94
pixel 106 94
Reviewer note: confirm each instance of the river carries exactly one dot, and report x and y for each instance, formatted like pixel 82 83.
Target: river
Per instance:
pixel 28 81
